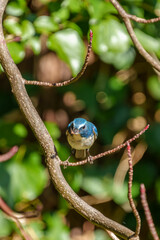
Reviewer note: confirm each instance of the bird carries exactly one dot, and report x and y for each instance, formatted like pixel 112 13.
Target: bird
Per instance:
pixel 81 134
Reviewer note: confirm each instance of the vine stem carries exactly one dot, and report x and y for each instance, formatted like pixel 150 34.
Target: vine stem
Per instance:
pixel 148 212
pixel 132 204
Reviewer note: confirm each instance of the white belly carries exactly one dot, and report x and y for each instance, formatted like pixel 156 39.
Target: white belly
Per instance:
pixel 79 143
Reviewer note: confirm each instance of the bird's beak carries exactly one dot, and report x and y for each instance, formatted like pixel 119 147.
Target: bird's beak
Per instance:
pixel 74 131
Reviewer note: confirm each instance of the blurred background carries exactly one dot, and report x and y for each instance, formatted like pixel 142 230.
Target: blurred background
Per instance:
pixel 119 93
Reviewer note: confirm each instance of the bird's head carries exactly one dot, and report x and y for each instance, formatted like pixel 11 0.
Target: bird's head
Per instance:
pixel 82 127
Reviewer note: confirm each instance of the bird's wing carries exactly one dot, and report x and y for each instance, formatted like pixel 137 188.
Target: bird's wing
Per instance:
pixel 95 132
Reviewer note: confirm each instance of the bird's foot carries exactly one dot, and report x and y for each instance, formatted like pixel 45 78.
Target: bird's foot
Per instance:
pixel 65 163
pixel 90 159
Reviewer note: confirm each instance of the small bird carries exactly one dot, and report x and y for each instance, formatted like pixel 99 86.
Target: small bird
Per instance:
pixel 81 135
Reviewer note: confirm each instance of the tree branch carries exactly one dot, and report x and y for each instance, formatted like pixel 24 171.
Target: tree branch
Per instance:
pixel 6 156
pixel 131 202
pixel 10 213
pixel 73 79
pixel 148 212
pixel 126 18
pixel 45 140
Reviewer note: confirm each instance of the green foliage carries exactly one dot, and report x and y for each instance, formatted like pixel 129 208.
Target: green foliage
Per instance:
pixel 17 51
pixel 19 178
pixel 63 43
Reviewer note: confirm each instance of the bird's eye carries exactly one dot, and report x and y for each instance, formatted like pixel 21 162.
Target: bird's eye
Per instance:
pixel 84 127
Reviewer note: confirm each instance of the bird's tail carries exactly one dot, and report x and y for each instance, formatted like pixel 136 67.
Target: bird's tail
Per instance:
pixel 81 154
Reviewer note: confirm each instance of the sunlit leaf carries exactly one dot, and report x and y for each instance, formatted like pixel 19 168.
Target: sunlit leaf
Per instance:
pixel 45 24
pixel 56 229
pixel 20 130
pixel 53 130
pixel 70 48
pixel 16 8
pixel 153 85
pixel 12 26
pixel 22 180
pixel 27 29
pixel 110 36
pixel 150 43
pixel 35 44
pixel 61 15
pixel 6 226
pixel 17 51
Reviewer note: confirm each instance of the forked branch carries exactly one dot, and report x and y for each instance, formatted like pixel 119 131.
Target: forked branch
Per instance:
pixel 126 18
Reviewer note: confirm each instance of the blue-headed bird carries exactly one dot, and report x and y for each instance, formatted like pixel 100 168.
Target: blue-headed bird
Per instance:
pixel 81 134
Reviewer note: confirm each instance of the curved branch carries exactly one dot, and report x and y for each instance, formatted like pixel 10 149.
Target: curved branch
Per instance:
pixel 48 146
pixel 73 79
pixel 131 202
pixel 126 18
pixel 6 156
pixel 11 214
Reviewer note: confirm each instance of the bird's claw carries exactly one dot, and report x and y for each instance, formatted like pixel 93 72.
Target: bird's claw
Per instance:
pixel 90 159
pixel 65 164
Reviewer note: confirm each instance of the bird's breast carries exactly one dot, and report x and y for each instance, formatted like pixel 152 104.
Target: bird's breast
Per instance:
pixel 78 142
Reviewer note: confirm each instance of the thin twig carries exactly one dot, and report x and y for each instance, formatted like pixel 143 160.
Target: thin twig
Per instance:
pixel 142 20
pixel 142 51
pixel 9 154
pixel 148 212
pixel 73 79
pixel 112 235
pixel 6 209
pixel 132 204
pixel 100 155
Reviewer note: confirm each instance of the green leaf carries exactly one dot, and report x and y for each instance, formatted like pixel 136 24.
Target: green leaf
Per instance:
pixel 35 44
pixel 98 9
pixel 153 85
pixel 27 29
pixel 158 189
pixel 70 48
pixel 100 235
pixel 53 130
pixel 111 42
pixel 22 180
pixel 150 43
pixel 12 26
pixel 11 134
pixel 20 130
pixel 16 8
pixel 61 15
pixel 110 36
pixel 121 60
pixel 45 24
pixel 75 6
pixel 6 226
pixel 56 229
pixel 97 187
pixel 17 51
